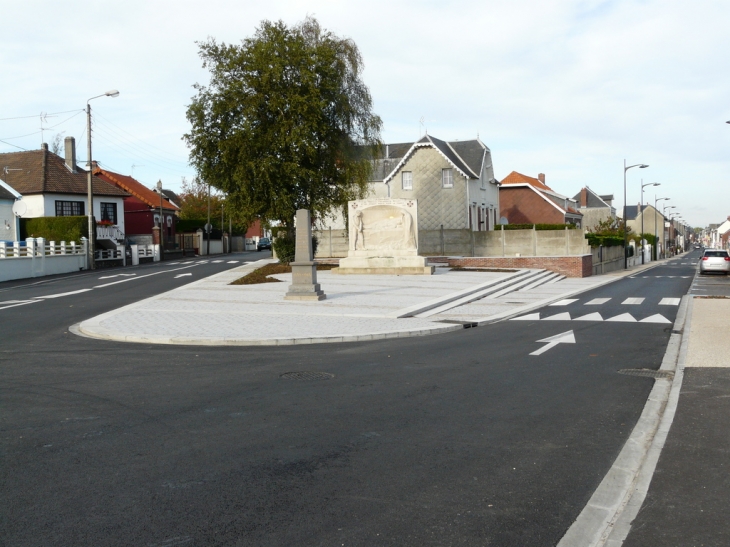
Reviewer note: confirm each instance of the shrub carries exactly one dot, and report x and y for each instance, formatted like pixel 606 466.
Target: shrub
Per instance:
pixel 55 228
pixel 607 241
pixel 285 247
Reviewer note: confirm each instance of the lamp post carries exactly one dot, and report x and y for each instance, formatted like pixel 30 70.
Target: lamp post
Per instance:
pixel 626 238
pixel 91 264
pixel 641 235
pixel 656 234
pixel 162 252
pixel 664 214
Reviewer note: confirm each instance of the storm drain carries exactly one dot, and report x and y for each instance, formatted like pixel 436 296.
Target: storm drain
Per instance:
pixel 307 376
pixel 647 373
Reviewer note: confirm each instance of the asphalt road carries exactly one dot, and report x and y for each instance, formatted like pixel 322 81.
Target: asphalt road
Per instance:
pixel 456 439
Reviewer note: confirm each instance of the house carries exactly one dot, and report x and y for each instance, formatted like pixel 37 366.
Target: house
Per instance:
pixel 9 223
pixel 142 209
pixel 593 207
pixel 54 186
pixel 528 200
pixel 653 220
pixel 453 182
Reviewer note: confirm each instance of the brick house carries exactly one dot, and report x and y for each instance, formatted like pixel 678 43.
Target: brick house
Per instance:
pixel 528 200
pixel 453 182
pixel 142 209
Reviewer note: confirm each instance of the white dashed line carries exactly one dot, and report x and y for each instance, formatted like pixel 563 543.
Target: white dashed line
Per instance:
pixel 633 301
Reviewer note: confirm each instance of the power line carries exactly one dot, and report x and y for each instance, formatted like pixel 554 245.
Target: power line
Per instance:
pixel 18 147
pixel 140 150
pixel 20 136
pixel 36 115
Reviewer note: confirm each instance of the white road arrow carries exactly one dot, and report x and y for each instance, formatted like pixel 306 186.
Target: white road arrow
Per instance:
pixel 564 338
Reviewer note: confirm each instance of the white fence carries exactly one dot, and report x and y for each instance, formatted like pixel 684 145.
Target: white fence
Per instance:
pixel 37 257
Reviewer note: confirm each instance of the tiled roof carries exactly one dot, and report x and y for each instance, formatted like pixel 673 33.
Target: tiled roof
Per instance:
pixel 518 178
pixel 134 187
pixel 43 172
pixel 466 156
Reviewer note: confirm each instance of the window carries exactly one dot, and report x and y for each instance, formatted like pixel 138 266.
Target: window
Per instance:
pixel 109 212
pixel 69 208
pixel 407 180
pixel 447 178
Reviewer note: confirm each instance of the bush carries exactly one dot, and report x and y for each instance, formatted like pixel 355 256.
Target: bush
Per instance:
pixel 285 247
pixel 539 226
pixel 607 241
pixel 55 228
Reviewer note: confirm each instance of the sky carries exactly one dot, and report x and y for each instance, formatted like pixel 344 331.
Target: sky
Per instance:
pixel 569 88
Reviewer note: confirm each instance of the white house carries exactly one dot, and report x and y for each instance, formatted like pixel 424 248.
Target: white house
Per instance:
pixel 9 223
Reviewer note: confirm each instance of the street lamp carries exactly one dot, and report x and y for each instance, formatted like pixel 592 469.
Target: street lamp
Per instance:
pixel 641 235
pixel 656 235
pixel 626 239
pixel 91 264
pixel 664 214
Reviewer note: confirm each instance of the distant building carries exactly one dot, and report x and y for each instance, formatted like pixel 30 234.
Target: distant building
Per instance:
pixel 528 200
pixel 593 207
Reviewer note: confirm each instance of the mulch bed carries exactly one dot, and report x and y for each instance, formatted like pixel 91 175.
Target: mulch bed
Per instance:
pixel 261 275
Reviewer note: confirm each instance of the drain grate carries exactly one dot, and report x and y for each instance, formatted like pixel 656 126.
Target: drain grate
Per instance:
pixel 307 376
pixel 647 373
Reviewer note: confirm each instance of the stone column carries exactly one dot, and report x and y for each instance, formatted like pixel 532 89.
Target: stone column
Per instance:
pixel 304 272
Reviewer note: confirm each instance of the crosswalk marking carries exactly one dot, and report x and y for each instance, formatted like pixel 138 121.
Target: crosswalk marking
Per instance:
pixel 564 302
pixel 669 302
pixel 633 301
pixel 565 316
pixel 656 318
pixel 623 318
pixel 217 261
pixel 597 301
pixel 595 316
pixel 233 262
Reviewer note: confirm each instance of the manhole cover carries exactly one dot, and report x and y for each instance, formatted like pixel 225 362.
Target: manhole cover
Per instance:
pixel 646 373
pixel 307 376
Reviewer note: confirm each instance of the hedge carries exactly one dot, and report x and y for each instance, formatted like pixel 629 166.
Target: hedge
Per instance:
pixel 285 247
pixel 539 226
pixel 55 228
pixel 607 241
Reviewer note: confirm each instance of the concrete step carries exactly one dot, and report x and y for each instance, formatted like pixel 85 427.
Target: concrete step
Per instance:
pixel 541 280
pixel 509 285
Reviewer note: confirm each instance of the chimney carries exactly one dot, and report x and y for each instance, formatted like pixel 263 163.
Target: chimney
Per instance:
pixel 541 177
pixel 387 152
pixel 583 197
pixel 44 146
pixel 70 144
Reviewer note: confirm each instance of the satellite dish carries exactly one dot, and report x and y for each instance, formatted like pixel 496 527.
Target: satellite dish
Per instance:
pixel 19 208
pixel 503 220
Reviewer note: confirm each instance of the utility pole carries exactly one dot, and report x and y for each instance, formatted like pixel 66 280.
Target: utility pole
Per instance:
pixel 208 226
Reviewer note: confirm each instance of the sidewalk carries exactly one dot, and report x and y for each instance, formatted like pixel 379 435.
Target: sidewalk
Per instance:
pixel 688 501
pixel 358 307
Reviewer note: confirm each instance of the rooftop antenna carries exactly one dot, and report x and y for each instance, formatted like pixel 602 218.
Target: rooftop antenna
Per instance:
pixel 44 118
pixel 133 166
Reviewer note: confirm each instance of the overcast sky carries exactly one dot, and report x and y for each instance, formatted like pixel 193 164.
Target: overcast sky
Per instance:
pixel 568 88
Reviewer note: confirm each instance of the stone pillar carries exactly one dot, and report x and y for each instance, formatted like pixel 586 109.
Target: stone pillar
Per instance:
pixel 304 271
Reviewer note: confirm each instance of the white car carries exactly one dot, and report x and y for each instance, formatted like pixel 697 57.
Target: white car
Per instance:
pixel 715 260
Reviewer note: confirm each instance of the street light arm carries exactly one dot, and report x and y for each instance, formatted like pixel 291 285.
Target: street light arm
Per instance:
pixel 639 165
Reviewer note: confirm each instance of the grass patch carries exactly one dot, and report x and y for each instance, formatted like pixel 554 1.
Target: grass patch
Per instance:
pixel 462 269
pixel 261 275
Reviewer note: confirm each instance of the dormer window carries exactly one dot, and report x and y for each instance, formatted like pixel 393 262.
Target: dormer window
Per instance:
pixel 447 178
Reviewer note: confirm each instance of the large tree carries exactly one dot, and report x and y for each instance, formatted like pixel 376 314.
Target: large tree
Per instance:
pixel 285 123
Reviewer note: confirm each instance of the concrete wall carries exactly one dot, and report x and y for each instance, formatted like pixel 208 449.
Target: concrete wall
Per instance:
pixel 497 243
pixel 593 215
pixel 40 263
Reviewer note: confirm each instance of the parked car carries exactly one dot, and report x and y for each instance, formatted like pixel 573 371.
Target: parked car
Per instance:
pixel 715 260
pixel 264 243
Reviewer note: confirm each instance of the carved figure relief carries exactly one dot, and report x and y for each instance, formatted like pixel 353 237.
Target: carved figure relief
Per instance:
pixel 382 228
